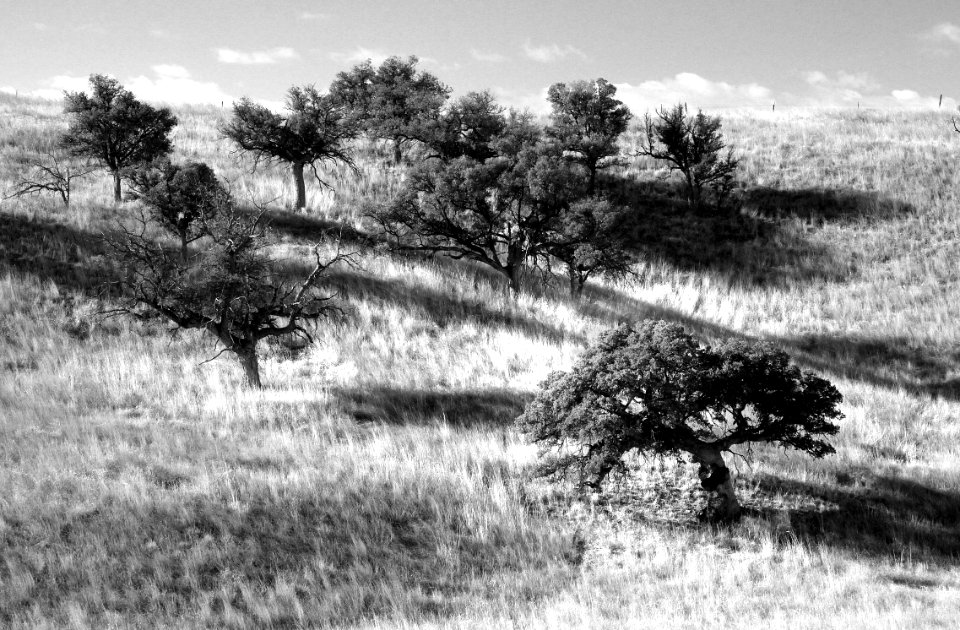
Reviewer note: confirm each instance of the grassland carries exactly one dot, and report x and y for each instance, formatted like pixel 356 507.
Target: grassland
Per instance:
pixel 377 481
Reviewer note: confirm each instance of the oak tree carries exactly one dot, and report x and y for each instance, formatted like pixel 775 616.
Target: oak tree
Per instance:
pixel 114 128
pixel 652 388
pixel 315 130
pixel 587 120
pixel 182 198
pixel 394 101
pixel 232 289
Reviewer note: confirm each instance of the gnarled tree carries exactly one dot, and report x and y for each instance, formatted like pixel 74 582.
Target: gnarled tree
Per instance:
pixel 114 128
pixel 587 121
pixel 652 388
pixel 315 130
pixel 232 289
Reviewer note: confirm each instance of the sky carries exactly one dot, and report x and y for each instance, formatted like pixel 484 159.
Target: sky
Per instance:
pixel 708 53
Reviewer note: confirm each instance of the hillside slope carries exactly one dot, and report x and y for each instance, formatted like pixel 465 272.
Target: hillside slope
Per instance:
pixel 377 480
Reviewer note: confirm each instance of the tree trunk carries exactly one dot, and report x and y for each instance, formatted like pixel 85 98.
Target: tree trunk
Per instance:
pixel 301 186
pixel 397 152
pixel 117 197
pixel 576 284
pixel 715 477
pixel 251 366
pixel 592 184
pixel 513 274
pixel 184 249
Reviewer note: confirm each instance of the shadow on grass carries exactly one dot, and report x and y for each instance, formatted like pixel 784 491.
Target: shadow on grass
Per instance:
pixel 442 308
pixel 55 252
pixel 492 408
pixel 290 559
pixel 883 516
pixel 761 243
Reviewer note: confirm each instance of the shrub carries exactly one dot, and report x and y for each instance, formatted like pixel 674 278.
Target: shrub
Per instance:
pixel 652 388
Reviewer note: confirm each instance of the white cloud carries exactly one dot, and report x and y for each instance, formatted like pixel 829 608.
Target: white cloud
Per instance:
pixel 694 90
pixel 174 85
pixel 534 102
pixel 274 55
pixel 40 26
pixel 308 15
pixel 160 33
pixel 54 87
pixel 945 32
pixel 905 96
pixel 8 89
pixel 360 55
pixel 551 52
pixel 487 57
pixel 170 84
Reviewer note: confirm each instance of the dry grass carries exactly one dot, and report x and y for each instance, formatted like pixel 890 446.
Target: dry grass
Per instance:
pixel 377 482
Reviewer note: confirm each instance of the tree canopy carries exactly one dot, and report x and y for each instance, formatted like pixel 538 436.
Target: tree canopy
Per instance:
pixel 394 101
pixel 315 130
pixel 182 198
pixel 498 211
pixel 587 120
pixel 114 128
pixel 651 387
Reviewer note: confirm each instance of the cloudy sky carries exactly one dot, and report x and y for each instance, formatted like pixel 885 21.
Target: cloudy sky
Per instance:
pixel 711 54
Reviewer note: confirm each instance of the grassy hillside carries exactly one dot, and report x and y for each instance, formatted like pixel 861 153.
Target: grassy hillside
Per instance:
pixel 377 481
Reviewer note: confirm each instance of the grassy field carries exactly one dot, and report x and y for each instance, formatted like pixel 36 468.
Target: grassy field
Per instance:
pixel 377 481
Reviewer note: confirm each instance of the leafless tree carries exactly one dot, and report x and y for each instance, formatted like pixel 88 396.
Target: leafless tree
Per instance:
pixel 50 173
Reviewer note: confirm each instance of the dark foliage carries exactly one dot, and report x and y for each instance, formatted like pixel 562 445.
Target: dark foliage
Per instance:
pixel 587 121
pixel 114 128
pixel 652 388
pixel 467 128
pixel 316 130
pixel 181 198
pixel 498 212
pixel 394 102
pixel 590 237
pixel 694 146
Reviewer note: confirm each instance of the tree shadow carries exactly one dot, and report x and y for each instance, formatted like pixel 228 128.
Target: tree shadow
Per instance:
pixel 335 554
pixel 467 409
pixel 883 516
pixel 439 307
pixel 821 205
pixel 761 242
pixel 891 362
pixel 51 251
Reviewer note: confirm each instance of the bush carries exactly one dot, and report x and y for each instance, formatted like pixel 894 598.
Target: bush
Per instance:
pixel 652 388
